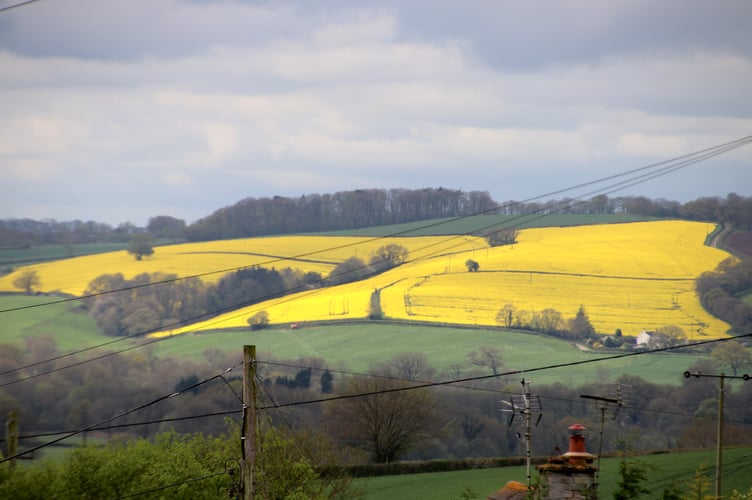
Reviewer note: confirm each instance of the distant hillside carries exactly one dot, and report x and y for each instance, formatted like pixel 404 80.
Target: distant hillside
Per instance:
pixel 362 209
pixel 630 276
pixel 480 225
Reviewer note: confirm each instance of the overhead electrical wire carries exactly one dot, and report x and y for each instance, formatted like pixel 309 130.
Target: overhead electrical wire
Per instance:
pixel 672 165
pixel 175 485
pixel 299 443
pixel 17 5
pixel 166 420
pixel 497 391
pixel 545 213
pixel 683 161
pixel 705 472
pixel 418 385
pixel 91 427
pixel 369 393
pixel 505 374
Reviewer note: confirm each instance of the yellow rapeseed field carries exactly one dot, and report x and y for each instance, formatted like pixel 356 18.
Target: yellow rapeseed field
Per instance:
pixel 630 276
pixel 211 260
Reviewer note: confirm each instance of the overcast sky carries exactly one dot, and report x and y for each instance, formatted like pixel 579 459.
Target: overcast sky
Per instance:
pixel 120 111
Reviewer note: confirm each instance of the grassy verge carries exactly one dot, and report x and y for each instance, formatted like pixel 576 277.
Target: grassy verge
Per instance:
pixel 663 471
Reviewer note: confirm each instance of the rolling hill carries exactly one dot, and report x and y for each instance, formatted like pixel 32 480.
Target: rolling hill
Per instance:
pixel 629 276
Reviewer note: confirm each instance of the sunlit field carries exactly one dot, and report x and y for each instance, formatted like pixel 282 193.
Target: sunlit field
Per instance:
pixel 631 277
pixel 211 260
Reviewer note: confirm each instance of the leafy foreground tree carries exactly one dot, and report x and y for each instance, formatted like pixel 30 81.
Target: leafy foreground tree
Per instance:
pixel 174 466
pixel 632 475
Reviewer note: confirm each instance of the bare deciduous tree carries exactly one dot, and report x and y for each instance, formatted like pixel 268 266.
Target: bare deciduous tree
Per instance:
pixel 27 281
pixel 487 356
pixel 385 424
pixel 505 316
pixel 733 355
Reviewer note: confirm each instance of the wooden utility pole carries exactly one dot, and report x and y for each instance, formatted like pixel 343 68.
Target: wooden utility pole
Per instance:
pixel 719 441
pixel 719 430
pixel 11 435
pixel 248 434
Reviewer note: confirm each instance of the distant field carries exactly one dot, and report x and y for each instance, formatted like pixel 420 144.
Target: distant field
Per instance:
pixel 14 257
pixel 211 260
pixel 628 276
pixel 70 328
pixel 480 224
pixel 352 346
pixel 663 470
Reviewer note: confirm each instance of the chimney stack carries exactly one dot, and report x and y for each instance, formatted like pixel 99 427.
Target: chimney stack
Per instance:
pixel 571 475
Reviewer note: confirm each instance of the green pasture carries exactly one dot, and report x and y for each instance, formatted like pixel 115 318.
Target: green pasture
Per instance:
pixel 29 316
pixel 355 346
pixel 480 224
pixel 663 471
pixel 11 258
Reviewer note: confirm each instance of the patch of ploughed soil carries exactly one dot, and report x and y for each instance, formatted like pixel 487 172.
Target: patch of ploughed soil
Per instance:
pixel 740 242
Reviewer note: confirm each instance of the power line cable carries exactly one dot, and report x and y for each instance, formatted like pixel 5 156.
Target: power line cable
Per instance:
pixel 454 382
pixel 132 424
pixel 236 306
pixel 706 472
pixel 498 391
pixel 299 443
pixel 119 415
pixel 685 161
pixel 504 374
pixel 175 485
pixel 17 5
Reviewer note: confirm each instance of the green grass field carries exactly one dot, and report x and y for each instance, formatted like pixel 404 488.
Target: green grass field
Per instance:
pixel 15 257
pixel 663 471
pixel 354 346
pixel 71 328
pixel 479 224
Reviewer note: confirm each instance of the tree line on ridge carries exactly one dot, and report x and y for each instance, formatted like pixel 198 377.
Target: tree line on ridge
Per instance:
pixel 360 208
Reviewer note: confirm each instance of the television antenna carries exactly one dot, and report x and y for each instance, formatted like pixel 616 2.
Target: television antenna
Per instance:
pixel 614 398
pixel 526 406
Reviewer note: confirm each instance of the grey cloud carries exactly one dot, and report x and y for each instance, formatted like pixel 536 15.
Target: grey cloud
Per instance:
pixel 506 34
pixel 125 110
pixel 94 29
pixel 539 33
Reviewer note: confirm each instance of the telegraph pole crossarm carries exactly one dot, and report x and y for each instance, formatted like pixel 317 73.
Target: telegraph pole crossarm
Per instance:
pixel 605 403
pixel 719 431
